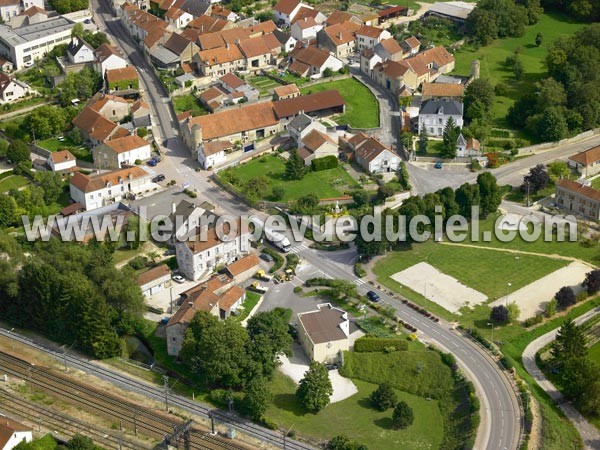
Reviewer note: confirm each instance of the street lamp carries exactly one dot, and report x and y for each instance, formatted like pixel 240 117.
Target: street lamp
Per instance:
pixel 491 324
pixel 507 286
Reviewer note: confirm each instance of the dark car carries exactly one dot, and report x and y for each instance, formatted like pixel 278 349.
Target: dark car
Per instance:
pixel 266 257
pixel 158 178
pixel 438 165
pixel 87 21
pixel 373 296
pixel 152 162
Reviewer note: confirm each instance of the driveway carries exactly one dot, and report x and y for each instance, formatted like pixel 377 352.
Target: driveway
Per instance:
pixel 295 367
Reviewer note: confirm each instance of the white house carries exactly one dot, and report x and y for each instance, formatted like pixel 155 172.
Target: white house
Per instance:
pixel 62 161
pixel 178 18
pixel 12 89
pixel 100 190
pixel 313 61
pixel 185 216
pixel 369 37
pixel 586 163
pixel 434 114
pixel 302 125
pixel 286 10
pixel 375 157
pixel 467 147
pixel 154 280
pixel 79 51
pixel 212 154
pixel 9 8
pixel 306 28
pixel 108 58
pixel 203 251
pixel 115 153
pixel 287 41
pixel 12 433
pixel 316 145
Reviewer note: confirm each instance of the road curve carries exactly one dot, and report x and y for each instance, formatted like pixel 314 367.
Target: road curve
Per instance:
pixel 500 412
pixel 589 433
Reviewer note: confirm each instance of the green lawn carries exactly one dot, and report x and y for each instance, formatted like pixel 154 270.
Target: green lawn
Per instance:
pixel 54 145
pixel 355 418
pixel 595 352
pixel 434 148
pixel 596 183
pixel 324 184
pixel 362 109
pixel 188 102
pixel 264 84
pixel 252 299
pixel 13 182
pixel 492 58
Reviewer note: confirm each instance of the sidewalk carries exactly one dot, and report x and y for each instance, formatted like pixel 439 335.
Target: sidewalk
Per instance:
pixel 589 433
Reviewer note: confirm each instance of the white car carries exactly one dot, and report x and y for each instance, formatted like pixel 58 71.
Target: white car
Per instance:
pixel 178 279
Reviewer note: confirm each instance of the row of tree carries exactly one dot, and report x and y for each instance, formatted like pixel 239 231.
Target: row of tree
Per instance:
pixel 485 194
pixel 579 376
pixel 587 10
pixel 70 293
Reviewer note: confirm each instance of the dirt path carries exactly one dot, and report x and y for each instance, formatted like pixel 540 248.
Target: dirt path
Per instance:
pixel 518 252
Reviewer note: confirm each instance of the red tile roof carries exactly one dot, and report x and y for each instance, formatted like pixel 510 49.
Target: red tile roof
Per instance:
pixel 443 89
pixel 308 103
pixel 153 274
pixel 286 6
pixel 588 156
pixel 62 156
pixel 126 144
pixel 575 187
pixel 125 74
pixel 87 183
pixel 231 297
pixel 242 265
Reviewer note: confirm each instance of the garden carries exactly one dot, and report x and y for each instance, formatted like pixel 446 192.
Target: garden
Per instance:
pixel 271 169
pixel 362 108
pixel 67 143
pixel 9 181
pixel 188 102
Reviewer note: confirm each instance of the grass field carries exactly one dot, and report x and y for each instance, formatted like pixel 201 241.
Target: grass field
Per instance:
pixel 355 418
pixel 252 299
pixel 595 352
pixel 264 84
pixel 324 184
pixel 362 109
pixel 188 102
pixel 492 58
pixel 434 148
pixel 54 145
pixel 12 182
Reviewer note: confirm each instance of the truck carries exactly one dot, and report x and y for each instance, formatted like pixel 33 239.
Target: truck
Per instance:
pixel 262 275
pixel 278 240
pixel 258 288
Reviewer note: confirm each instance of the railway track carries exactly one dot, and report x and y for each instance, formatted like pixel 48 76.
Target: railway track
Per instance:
pixel 66 425
pixel 126 414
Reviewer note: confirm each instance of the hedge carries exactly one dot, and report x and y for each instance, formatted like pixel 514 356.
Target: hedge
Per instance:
pixel 325 163
pixel 277 258
pixel 370 344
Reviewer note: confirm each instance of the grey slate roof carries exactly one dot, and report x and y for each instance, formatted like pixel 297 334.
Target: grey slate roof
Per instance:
pixel 439 106
pixel 300 122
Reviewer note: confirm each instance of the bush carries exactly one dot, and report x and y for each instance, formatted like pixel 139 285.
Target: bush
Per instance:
pixel 506 363
pixel 325 163
pixel 565 297
pixel 403 416
pixel 372 344
pixel 142 132
pixel 359 271
pixel 297 289
pixel 531 321
pixel 384 397
pixel 138 263
pixel 499 314
pixel 277 258
pixel 137 162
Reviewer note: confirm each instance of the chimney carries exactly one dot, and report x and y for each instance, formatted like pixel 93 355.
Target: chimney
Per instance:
pixel 191 305
pixel 340 35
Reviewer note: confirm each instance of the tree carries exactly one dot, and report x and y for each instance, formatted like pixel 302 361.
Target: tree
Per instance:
pixel 18 151
pixel 269 334
pixel 518 69
pixel 51 183
pixel 142 132
pixel 8 211
pixel 403 416
pixel 539 38
pixel 79 442
pixel 328 72
pixel 536 180
pixel 499 314
pixel 467 196
pixel 489 193
pixel 257 398
pixel 423 140
pixel 77 30
pixel 558 170
pixel 3 148
pixel 513 311
pixel 551 307
pixel 478 99
pixel 295 169
pixel 307 204
pixel 342 442
pixel 315 388
pixel 407 139
pixel 552 126
pixel 257 187
pixel 46 121
pixel 565 297
pixel 451 133
pixel 278 192
pixel 570 342
pixel 592 281
pixel 384 397
pixel 384 192
pixel 360 197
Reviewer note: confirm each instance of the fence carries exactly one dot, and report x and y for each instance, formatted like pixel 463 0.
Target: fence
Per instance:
pixel 547 145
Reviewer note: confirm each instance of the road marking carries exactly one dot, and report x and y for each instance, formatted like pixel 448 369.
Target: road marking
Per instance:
pixel 359 282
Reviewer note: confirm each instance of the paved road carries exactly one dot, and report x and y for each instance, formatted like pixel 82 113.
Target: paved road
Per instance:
pixel 589 433
pixel 499 404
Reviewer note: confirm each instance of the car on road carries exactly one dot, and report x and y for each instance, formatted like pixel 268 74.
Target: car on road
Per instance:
pixel 87 21
pixel 178 279
pixel 373 296
pixel 438 165
pixel 158 178
pixel 266 257
pixel 153 162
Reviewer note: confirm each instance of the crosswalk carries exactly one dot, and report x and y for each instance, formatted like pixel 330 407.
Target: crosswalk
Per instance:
pixel 359 282
pixel 298 248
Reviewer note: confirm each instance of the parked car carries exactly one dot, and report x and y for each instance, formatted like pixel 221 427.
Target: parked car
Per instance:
pixel 87 21
pixel 152 162
pixel 164 321
pixel 438 165
pixel 266 257
pixel 373 296
pixel 178 279
pixel 158 178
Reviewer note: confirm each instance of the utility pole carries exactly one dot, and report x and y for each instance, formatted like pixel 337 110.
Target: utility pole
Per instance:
pixel 166 384
pixel 527 184
pixel 507 286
